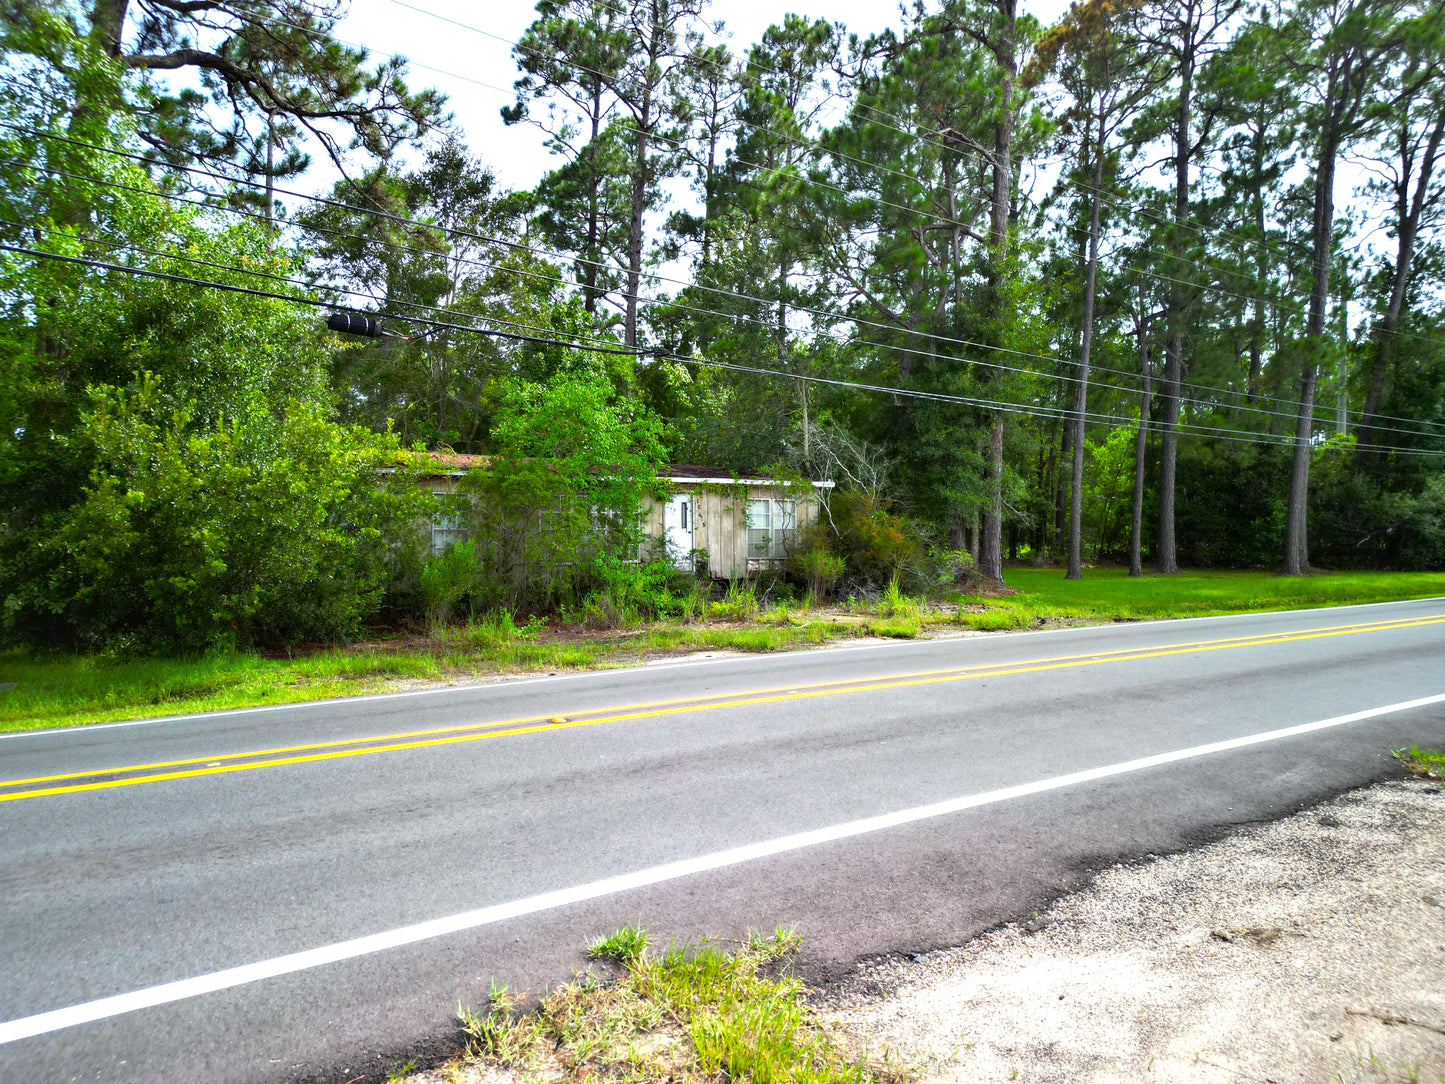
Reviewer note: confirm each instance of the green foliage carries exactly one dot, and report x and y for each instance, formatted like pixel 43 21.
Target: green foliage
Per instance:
pixel 739 603
pixel 623 947
pixel 875 543
pixel 1230 511
pixel 256 529
pixel 631 591
pixel 1359 520
pixel 815 564
pixel 446 578
pixel 685 1017
pixel 1426 763
pixel 557 510
pixel 251 73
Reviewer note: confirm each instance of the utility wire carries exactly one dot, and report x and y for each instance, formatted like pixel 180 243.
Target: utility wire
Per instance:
pixel 828 314
pixel 1005 407
pixel 1210 391
pixel 962 151
pixel 890 347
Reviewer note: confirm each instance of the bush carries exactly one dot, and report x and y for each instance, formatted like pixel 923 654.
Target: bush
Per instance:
pixel 815 564
pixel 447 578
pixel 262 529
pixel 555 512
pixel 874 542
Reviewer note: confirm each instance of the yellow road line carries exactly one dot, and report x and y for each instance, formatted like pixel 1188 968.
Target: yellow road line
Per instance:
pixel 839 686
pixel 680 707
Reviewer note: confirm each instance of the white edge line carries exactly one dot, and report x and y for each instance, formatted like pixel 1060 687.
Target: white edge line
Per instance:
pixel 90 1011
pixel 504 683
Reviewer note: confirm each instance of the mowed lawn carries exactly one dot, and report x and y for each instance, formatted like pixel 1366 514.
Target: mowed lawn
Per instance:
pixel 66 690
pixel 1109 594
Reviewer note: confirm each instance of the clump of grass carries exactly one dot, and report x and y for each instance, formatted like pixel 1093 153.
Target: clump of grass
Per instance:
pixel 624 946
pixel 683 1017
pixel 739 603
pixel 906 628
pixel 1425 763
pixel 894 603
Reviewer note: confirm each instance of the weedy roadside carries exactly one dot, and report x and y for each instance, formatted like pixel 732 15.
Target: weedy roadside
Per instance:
pixel 1423 762
pixel 684 1014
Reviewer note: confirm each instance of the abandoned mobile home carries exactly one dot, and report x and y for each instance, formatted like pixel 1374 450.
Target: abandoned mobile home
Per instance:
pixel 722 526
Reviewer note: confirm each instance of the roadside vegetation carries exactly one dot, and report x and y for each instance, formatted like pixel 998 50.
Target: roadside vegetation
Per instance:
pixel 685 1014
pixel 56 689
pixel 1426 763
pixel 214 471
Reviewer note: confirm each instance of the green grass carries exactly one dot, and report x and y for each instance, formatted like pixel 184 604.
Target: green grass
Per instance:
pixel 624 946
pixel 1045 597
pixel 687 1016
pixel 66 690
pixel 1426 763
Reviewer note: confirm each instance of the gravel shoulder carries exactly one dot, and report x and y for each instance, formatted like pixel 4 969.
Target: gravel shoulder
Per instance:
pixel 1307 949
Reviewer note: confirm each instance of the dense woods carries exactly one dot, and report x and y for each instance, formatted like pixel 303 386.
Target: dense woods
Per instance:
pixel 1162 284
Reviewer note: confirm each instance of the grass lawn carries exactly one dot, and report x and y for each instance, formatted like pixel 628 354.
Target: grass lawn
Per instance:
pixel 1109 594
pixel 63 690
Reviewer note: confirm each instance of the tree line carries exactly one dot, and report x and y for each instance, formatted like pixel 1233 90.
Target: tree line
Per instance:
pixel 1158 284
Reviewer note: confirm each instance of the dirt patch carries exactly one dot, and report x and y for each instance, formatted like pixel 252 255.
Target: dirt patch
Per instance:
pixel 1310 949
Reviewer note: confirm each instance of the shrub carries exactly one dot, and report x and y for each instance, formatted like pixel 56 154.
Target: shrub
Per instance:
pixel 446 578
pixel 876 543
pixel 259 529
pixel 815 564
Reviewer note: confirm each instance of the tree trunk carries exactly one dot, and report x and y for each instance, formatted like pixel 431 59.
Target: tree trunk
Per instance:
pixel 1006 53
pixel 990 556
pixel 592 251
pixel 1081 394
pixel 643 117
pixel 634 230
pixel 1296 534
pixel 1407 224
pixel 107 24
pixel 1261 273
pixel 1141 451
pixel 1166 559
pixel 1061 490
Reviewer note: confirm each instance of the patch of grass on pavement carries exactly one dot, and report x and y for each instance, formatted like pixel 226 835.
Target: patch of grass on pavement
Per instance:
pixel 1423 762
pixel 685 1016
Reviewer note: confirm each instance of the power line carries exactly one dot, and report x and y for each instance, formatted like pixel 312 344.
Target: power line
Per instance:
pixel 732 294
pixel 891 347
pixel 1240 436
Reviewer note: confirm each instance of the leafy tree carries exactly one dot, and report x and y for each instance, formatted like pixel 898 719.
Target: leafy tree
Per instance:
pixel 269 73
pixel 1184 35
pixel 169 477
pixel 625 61
pixel 263 528
pixel 1106 79
pixel 558 508
pixel 574 52
pixel 1342 51
pixel 443 251
pixel 1409 128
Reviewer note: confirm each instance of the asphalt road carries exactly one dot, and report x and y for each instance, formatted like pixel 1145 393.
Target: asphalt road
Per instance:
pixel 307 893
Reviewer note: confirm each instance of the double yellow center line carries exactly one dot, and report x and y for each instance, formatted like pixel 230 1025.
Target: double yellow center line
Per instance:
pixel 135 774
